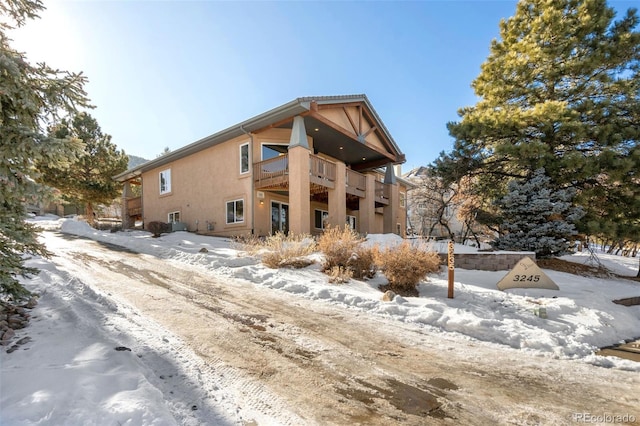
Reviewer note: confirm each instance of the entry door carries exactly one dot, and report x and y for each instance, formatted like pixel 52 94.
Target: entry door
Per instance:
pixel 279 217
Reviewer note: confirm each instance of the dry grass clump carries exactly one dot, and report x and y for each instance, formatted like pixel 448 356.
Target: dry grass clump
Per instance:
pixel 286 251
pixel 362 263
pixel 339 275
pixel 338 245
pixel 405 266
pixel 344 254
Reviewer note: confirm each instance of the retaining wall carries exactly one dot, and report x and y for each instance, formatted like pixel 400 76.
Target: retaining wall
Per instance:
pixel 488 261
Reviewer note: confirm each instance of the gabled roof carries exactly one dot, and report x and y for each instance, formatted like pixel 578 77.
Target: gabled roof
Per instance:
pixel 276 115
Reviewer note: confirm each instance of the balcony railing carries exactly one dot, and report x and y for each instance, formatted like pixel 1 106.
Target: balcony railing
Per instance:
pixel 356 183
pixel 271 172
pixel 321 171
pixel 134 206
pixel 382 192
pixel 274 174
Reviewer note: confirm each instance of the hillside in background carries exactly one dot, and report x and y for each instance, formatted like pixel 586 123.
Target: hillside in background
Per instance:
pixel 136 161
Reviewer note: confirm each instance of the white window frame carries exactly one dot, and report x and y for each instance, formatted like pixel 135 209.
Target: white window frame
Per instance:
pixel 324 217
pixel 351 221
pixel 242 172
pixel 167 179
pixel 226 210
pixel 403 200
pixel 171 217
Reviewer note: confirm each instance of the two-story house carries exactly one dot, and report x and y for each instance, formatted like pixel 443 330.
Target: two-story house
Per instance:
pixel 307 164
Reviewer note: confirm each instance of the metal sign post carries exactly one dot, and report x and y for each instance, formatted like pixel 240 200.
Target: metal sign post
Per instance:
pixel 450 262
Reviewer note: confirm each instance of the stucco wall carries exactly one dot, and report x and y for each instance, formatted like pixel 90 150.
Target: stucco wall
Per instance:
pixel 200 187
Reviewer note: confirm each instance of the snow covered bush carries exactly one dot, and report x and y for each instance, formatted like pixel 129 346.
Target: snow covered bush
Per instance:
pixel 537 218
pixel 405 266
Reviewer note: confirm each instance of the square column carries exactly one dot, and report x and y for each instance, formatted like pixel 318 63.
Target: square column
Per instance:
pixel 367 206
pixel 338 197
pixel 299 191
pixel 390 212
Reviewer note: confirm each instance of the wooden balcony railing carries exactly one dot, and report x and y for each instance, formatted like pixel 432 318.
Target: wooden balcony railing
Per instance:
pixel 382 193
pixel 356 183
pixel 134 206
pixel 322 172
pixel 272 172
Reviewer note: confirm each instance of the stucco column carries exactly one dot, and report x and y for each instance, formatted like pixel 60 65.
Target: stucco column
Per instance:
pixel 124 211
pixel 338 197
pixel 390 212
pixel 299 184
pixel 367 206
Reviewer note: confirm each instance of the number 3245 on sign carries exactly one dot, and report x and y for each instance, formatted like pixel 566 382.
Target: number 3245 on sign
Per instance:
pixel 522 278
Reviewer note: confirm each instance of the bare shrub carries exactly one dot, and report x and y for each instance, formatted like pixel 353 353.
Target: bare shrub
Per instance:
pixel 342 248
pixel 362 263
pixel 285 251
pixel 157 228
pixel 339 275
pixel 338 246
pixel 405 266
pixel 251 244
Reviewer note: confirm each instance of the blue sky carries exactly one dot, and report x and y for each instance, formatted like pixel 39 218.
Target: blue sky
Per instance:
pixel 167 73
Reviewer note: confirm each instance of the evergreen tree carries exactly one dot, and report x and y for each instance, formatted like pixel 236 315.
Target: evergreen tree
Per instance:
pixel 31 98
pixel 89 180
pixel 560 90
pixel 536 218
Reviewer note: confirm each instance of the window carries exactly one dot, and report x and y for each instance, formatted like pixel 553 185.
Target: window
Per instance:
pixel 244 158
pixel 165 181
pixel 321 217
pixel 174 217
pixel 235 211
pixel 403 200
pixel 351 221
pixel 273 150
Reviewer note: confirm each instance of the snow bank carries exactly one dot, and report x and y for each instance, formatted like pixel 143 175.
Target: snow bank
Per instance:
pixel 580 316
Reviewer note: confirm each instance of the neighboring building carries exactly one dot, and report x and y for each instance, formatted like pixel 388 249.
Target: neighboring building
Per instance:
pixel 312 162
pixel 432 211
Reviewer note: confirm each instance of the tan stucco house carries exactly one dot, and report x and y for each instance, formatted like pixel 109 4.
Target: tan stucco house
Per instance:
pixel 307 164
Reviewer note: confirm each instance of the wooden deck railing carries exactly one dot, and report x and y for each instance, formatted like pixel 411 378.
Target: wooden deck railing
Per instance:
pixel 271 171
pixel 356 183
pixel 134 206
pixel 321 171
pixel 382 192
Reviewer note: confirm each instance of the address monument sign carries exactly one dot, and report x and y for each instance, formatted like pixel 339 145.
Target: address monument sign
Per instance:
pixel 526 274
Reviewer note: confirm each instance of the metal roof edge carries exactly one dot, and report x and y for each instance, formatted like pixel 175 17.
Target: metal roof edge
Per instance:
pixel 291 108
pixel 258 121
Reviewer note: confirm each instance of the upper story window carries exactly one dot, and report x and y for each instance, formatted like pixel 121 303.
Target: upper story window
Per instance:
pixel 403 200
pixel 273 150
pixel 235 211
pixel 244 158
pixel 165 181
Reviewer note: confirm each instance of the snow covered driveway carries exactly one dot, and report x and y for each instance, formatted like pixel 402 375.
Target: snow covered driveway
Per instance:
pixel 253 355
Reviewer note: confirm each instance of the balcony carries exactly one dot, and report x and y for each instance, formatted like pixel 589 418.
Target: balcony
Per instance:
pixel 356 183
pixel 382 192
pixel 134 206
pixel 273 174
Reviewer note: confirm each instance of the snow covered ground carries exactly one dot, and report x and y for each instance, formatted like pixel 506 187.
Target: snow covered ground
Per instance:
pixel 580 319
